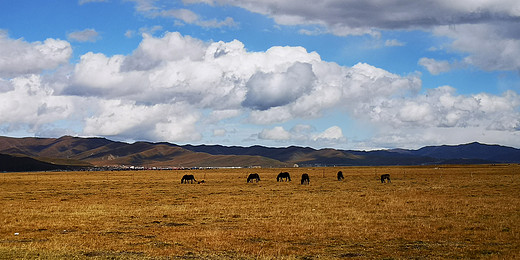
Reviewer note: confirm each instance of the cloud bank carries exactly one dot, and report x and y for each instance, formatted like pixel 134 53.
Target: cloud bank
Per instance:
pixel 182 16
pixel 177 88
pixel 487 31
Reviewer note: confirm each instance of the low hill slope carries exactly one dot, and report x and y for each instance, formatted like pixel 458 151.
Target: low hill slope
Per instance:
pixel 103 152
pixel 76 151
pixel 12 163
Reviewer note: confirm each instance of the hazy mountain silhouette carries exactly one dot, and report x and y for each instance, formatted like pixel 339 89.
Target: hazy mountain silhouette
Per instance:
pixel 496 153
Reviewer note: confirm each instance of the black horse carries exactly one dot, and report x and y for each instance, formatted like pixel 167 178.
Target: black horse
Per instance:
pixel 305 179
pixel 340 176
pixel 252 177
pixel 283 175
pixel 188 177
pixel 385 177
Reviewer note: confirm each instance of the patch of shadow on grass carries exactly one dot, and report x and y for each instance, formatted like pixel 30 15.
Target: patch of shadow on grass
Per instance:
pixel 95 254
pixel 170 224
pixel 113 255
pixel 24 240
pixel 475 228
pixel 484 253
pixel 174 224
pixel 256 240
pixel 189 255
pixel 350 255
pixel 116 233
pixel 162 244
pixel 415 245
pixel 146 236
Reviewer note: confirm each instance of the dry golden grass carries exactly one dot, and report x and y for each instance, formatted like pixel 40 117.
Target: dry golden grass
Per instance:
pixel 425 213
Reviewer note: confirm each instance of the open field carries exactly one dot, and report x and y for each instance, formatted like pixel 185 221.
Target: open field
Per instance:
pixel 425 213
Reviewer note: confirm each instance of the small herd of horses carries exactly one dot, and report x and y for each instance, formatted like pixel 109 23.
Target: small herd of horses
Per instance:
pixel 282 176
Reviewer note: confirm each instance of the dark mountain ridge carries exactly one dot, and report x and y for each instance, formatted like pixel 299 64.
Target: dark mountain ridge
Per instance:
pixel 67 150
pixel 475 150
pixel 280 154
pixel 472 153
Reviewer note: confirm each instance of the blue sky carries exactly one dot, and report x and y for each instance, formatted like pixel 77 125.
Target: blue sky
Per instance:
pixel 350 74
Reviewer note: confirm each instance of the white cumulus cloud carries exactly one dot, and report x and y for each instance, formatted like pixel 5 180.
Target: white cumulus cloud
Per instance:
pixel 175 88
pixel 486 31
pixel 151 9
pixel 276 133
pixel 333 133
pixel 276 86
pixel 137 122
pixel 305 134
pixel 190 17
pixel 492 46
pixel 18 57
pixel 394 43
pixel 87 35
pixel 29 104
pixel 435 67
pixel 266 90
pixel 359 16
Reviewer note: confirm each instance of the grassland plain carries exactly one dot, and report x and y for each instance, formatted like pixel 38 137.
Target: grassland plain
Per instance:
pixel 430 212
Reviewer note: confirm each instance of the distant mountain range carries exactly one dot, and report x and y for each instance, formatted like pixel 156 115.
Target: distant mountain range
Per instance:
pixel 29 154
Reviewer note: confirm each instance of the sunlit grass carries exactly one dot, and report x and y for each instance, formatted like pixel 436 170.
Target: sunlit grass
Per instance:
pixel 426 212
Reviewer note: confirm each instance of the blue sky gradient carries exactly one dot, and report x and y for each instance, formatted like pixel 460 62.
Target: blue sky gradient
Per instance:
pixel 345 74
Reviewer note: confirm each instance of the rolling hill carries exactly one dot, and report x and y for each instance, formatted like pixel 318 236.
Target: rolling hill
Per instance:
pixel 68 152
pixel 104 152
pixel 13 163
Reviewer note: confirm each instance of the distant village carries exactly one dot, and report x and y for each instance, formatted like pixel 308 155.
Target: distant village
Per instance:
pixel 142 168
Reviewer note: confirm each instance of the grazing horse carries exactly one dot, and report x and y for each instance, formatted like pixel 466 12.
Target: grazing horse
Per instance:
pixel 340 176
pixel 188 177
pixel 252 177
pixel 305 179
pixel 385 177
pixel 283 175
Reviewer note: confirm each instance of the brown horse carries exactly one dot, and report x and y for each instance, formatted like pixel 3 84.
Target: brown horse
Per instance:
pixel 188 177
pixel 340 176
pixel 253 177
pixel 385 177
pixel 305 179
pixel 283 175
